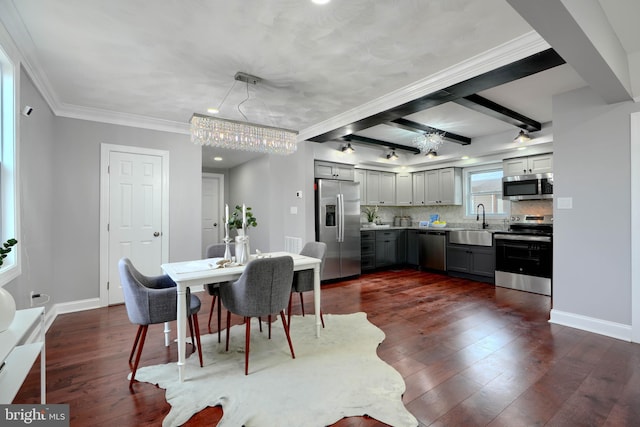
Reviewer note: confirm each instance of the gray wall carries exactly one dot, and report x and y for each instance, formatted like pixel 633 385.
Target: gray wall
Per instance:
pixel 60 177
pixel 592 241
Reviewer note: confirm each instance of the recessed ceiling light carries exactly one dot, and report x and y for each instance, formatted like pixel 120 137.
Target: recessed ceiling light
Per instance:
pixel 465 157
pixel 217 158
pixel 320 1
pixel 213 110
pixel 521 148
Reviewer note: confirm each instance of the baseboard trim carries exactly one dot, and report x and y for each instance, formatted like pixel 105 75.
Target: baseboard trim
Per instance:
pixel 591 324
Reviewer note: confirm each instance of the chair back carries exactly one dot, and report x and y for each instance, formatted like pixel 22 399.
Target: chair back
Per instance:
pixel 148 300
pixel 263 288
pixel 303 279
pixel 216 250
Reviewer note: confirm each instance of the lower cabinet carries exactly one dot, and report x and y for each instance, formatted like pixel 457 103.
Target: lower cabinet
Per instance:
pixel 412 248
pixel 476 262
pixel 383 248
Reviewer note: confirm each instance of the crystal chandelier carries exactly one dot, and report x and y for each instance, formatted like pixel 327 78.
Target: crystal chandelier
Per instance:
pixel 223 133
pixel 236 135
pixel 429 142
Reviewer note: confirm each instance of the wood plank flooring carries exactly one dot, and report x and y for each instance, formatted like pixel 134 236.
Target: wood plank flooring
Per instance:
pixel 471 354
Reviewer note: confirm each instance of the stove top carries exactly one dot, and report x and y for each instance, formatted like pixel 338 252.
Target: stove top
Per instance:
pixel 531 224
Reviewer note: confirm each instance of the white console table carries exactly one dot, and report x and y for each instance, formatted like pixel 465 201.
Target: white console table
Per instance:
pixel 18 355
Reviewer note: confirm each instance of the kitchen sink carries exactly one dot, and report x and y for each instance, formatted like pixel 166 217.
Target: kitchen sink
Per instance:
pixel 471 237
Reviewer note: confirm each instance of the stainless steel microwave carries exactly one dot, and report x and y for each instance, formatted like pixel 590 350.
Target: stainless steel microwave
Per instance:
pixel 527 187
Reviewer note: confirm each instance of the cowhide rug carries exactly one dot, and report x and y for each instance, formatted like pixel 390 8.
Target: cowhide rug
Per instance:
pixel 337 375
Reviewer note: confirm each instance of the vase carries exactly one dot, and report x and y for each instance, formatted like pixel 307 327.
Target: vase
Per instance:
pixel 7 309
pixel 242 247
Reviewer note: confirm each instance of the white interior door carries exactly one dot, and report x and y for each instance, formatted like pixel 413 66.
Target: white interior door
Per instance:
pixel 135 216
pixel 212 221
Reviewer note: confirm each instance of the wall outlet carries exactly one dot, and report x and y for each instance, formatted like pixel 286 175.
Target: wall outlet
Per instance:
pixel 299 194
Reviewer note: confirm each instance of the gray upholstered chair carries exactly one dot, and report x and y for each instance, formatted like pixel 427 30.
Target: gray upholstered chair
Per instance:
pixel 151 300
pixel 303 279
pixel 216 250
pixel 262 290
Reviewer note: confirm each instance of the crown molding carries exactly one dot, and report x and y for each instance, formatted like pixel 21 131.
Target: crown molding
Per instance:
pixel 511 51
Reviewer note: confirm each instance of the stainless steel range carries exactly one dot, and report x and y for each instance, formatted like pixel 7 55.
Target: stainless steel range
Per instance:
pixel 524 254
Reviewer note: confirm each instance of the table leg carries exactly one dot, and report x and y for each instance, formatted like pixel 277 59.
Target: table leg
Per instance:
pixel 182 328
pixel 167 331
pixel 316 298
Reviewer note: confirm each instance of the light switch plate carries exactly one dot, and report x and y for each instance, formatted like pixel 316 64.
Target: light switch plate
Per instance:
pixel 565 203
pixel 293 210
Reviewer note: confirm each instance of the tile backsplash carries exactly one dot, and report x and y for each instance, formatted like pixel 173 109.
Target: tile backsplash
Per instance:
pixel 454 215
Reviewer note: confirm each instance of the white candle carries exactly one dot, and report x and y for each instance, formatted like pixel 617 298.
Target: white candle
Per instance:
pixel 244 216
pixel 226 221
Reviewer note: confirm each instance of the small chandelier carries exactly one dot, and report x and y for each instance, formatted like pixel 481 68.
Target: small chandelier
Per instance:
pixel 429 142
pixel 522 137
pixel 348 148
pixel 392 156
pixel 236 135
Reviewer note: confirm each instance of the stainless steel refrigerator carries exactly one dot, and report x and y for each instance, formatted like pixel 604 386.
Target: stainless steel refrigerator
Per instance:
pixel 338 225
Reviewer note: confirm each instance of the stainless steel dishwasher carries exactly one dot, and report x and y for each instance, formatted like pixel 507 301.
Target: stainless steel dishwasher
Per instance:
pixel 432 250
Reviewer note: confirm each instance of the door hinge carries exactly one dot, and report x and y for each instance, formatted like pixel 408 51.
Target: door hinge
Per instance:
pixel 107 285
pixel 108 227
pixel 108 169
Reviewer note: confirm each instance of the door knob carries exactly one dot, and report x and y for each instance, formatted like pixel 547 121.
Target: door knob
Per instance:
pixel 215 224
pixel 156 234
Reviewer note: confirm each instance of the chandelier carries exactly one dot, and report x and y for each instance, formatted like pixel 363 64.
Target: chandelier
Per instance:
pixel 237 135
pixel 429 142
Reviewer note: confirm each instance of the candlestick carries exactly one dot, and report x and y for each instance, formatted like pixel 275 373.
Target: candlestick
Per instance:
pixel 244 216
pixel 226 221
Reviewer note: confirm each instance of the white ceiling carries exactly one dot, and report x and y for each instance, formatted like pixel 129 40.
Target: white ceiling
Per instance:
pixel 159 62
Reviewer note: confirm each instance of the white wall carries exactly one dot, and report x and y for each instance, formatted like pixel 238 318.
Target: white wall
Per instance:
pixel 592 241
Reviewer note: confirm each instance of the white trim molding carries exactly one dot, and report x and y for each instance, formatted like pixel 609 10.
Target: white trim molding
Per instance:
pixel 591 324
pixel 635 226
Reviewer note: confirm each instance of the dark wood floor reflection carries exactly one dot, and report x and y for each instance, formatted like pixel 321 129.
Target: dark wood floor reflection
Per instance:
pixel 471 355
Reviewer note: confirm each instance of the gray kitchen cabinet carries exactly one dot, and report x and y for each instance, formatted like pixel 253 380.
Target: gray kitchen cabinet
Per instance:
pixel 412 247
pixel 542 163
pixel 401 247
pixel 404 189
pixel 443 186
pixel 381 188
pixel 386 248
pixel 476 262
pixel 329 170
pixel 367 250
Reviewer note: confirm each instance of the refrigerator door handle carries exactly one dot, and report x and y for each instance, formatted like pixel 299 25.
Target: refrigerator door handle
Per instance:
pixel 342 219
pixel 338 218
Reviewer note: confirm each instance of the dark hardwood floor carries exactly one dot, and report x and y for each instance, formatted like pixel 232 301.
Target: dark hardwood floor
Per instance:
pixel 471 355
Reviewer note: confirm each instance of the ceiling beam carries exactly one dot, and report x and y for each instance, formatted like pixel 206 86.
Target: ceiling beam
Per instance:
pixel 420 128
pixel 486 106
pixel 390 145
pixel 530 65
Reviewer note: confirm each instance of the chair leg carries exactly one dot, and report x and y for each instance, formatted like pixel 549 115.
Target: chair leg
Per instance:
pixel 301 303
pixel 219 317
pixel 247 340
pixel 135 343
pixel 213 303
pixel 269 320
pixel 322 319
pixel 193 344
pixel 196 326
pixel 286 331
pixel 289 309
pixel 228 323
pixel 135 365
pixel 259 323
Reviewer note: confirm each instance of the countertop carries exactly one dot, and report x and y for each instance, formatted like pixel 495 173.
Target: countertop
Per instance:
pixel 391 227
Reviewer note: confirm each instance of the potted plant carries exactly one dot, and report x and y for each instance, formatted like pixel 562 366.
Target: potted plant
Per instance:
pixel 235 220
pixel 7 303
pixel 371 213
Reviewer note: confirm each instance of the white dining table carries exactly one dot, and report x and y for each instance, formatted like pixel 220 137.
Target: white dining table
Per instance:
pixel 201 272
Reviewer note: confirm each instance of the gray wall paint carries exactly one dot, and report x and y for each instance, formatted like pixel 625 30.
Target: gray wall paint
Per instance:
pixel 60 176
pixel 592 241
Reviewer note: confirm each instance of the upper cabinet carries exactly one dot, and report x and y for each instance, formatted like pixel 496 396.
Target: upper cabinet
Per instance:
pixel 381 188
pixel 443 186
pixel 328 170
pixel 404 189
pixel 361 177
pixel 437 187
pixel 528 165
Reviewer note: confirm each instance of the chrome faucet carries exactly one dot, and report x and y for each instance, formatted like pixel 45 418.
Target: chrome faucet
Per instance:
pixel 484 222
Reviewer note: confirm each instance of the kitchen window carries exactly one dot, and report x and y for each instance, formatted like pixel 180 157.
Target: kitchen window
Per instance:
pixel 483 184
pixel 9 210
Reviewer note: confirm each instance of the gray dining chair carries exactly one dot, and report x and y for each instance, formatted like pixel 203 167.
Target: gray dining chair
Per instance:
pixel 303 279
pixel 262 290
pixel 150 300
pixel 216 250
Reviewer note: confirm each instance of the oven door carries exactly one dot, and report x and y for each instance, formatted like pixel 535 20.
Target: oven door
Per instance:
pixel 528 255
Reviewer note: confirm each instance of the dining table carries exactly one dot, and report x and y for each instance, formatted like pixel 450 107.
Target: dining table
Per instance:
pixel 187 274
